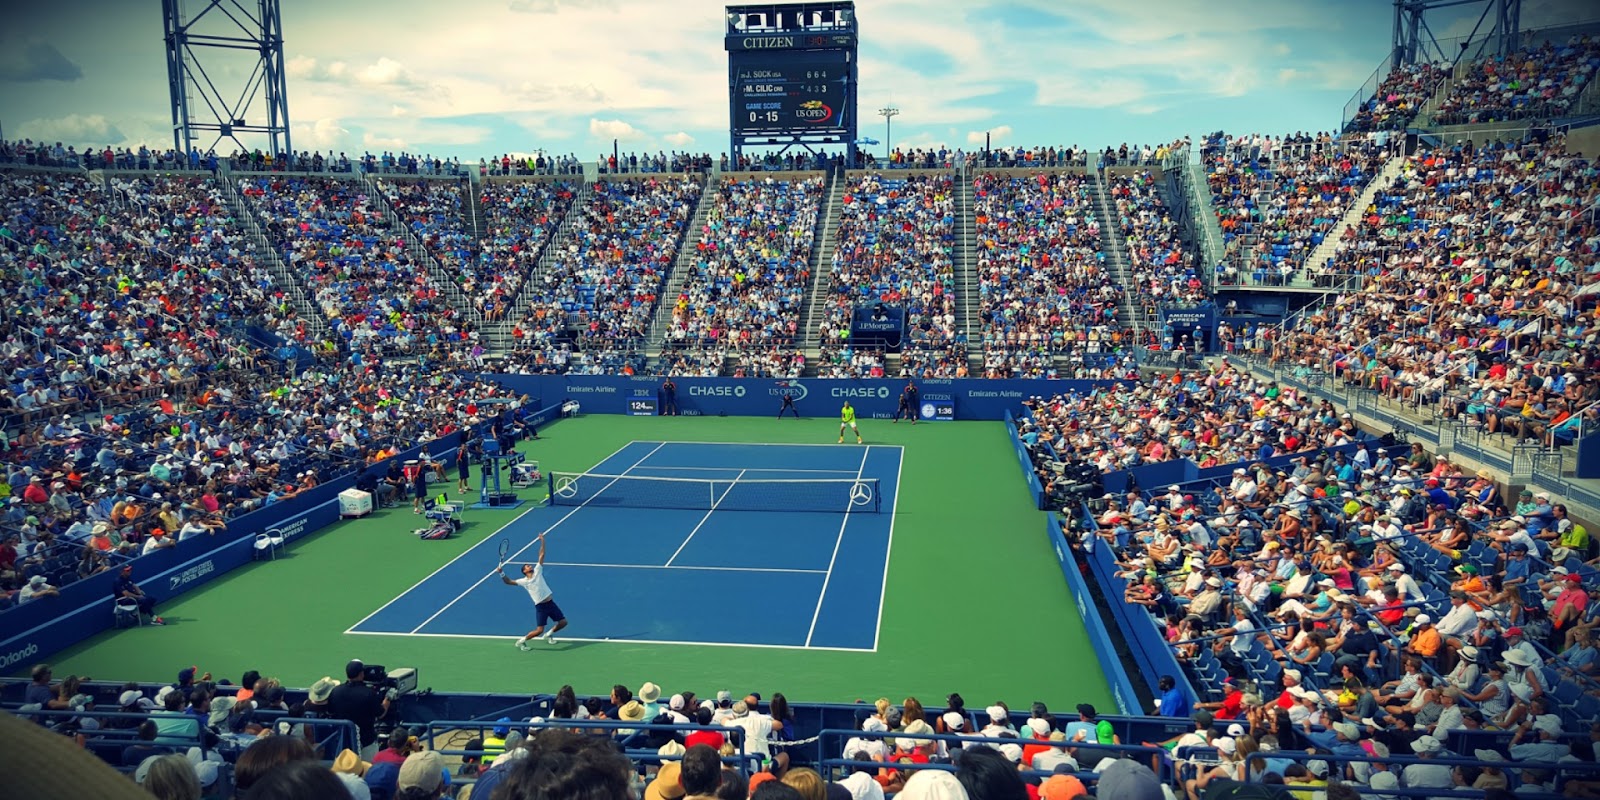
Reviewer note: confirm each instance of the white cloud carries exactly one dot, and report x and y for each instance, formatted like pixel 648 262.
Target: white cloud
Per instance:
pixel 606 129
pixel 996 136
pixel 371 140
pixel 399 111
pixel 679 139
pixel 552 6
pixel 76 129
pixel 386 72
pixel 324 134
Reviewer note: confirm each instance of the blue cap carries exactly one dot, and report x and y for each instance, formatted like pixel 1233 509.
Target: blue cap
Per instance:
pixel 502 730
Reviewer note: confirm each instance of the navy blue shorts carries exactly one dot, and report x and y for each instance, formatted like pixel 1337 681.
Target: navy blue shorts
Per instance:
pixel 548 610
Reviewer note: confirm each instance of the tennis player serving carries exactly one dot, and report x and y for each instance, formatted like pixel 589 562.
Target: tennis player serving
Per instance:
pixel 847 419
pixel 543 601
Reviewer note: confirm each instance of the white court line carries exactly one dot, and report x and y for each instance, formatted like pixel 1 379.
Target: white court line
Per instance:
pixel 464 553
pixel 756 469
pixel 617 641
pixel 658 566
pixel 709 512
pixel 838 540
pixel 792 444
pixel 524 548
pixel 894 508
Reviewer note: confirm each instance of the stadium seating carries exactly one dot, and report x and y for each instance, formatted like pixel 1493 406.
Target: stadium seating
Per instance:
pixel 358 270
pixel 895 239
pixel 1043 285
pixel 1542 82
pixel 1163 266
pixel 744 289
pixel 604 279
pixel 1277 198
pixel 1398 98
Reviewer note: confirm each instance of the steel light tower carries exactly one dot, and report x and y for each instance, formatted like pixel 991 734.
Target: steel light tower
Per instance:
pixel 257 103
pixel 888 113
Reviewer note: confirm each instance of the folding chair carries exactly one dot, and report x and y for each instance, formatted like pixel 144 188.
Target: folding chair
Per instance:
pixel 125 613
pixel 267 546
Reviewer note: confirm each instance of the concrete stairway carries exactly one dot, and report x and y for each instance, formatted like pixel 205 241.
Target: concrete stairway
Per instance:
pixel 1358 209
pixel 266 252
pixel 499 334
pixel 969 315
pixel 823 247
pixel 682 266
pixel 1116 250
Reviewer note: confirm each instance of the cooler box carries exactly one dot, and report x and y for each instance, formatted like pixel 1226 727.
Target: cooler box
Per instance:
pixel 354 503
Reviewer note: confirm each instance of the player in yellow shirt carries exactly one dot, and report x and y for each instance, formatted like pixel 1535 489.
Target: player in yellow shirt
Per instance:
pixel 847 419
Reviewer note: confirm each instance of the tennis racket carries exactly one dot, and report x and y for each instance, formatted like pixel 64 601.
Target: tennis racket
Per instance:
pixel 505 551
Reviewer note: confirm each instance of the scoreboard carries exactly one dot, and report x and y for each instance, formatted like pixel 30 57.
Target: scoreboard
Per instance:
pixel 793 75
pixel 781 91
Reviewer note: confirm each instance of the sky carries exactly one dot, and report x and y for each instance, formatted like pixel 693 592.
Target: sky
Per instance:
pixel 483 77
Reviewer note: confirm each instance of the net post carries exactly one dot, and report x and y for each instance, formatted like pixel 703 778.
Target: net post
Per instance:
pixel 877 497
pixel 550 486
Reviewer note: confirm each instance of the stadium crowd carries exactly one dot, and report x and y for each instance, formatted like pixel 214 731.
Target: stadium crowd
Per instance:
pixel 604 278
pixel 1276 198
pixel 362 276
pixel 895 238
pixel 520 219
pixel 1399 97
pixel 1162 266
pixel 1494 332
pixel 747 279
pixel 1544 81
pixel 1042 280
pixel 256 740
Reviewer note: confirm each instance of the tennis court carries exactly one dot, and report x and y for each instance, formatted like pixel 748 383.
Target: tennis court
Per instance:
pixel 674 542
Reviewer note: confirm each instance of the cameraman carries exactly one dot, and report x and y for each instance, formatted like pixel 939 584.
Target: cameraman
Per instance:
pixel 357 701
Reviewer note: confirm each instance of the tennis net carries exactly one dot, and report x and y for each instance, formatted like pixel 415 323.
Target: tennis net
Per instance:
pixel 837 495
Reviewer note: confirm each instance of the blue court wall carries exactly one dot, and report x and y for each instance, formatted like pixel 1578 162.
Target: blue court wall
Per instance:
pixel 1151 654
pixel 1099 637
pixel 1025 461
pixel 32 632
pixel 873 398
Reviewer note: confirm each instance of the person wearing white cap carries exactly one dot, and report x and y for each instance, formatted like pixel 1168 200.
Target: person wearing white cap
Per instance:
pixel 997 722
pixel 1403 583
pixel 1424 775
pixel 1538 738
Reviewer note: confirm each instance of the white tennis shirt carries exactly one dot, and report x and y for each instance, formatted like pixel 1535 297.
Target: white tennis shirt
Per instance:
pixel 535 584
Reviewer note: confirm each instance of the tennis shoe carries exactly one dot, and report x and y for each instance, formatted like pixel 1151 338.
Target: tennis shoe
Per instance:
pixel 841 440
pixel 522 644
pixel 550 637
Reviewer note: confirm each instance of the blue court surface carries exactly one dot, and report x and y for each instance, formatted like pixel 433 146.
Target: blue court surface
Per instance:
pixel 719 576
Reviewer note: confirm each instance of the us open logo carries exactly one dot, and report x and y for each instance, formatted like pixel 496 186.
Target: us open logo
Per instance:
pixel 793 387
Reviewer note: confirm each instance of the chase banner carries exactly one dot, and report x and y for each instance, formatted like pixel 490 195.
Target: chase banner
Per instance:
pixel 873 398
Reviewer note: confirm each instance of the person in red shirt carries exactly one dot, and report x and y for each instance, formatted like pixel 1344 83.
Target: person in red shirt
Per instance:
pixel 35 493
pixel 1570 604
pixel 702 716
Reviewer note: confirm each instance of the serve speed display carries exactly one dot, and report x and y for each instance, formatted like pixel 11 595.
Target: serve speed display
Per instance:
pixel 642 407
pixel 775 90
